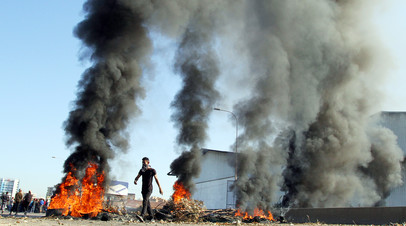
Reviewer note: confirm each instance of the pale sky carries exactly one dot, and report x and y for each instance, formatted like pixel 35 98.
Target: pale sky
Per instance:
pixel 391 25
pixel 40 69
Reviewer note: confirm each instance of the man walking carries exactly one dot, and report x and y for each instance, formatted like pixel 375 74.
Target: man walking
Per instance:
pixel 17 200
pixel 4 201
pixel 26 202
pixel 147 174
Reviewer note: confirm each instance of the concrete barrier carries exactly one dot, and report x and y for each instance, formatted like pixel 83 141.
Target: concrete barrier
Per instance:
pixel 355 215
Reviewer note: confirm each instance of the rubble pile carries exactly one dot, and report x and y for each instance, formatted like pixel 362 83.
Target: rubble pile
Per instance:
pixel 221 216
pixel 185 210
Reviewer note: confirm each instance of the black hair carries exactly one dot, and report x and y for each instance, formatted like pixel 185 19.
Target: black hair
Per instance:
pixel 145 158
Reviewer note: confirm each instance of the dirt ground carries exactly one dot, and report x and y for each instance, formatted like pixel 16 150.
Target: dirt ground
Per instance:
pixel 40 219
pixel 57 222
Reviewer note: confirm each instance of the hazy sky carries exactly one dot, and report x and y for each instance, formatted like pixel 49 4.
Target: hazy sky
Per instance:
pixel 40 68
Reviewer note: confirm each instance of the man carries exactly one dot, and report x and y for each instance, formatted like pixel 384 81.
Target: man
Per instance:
pixel 26 202
pixel 41 205
pixel 34 205
pixel 147 174
pixel 4 201
pixel 10 203
pixel 17 200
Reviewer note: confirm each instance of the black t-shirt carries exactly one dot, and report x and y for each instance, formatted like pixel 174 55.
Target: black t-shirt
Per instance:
pixel 27 198
pixel 147 176
pixel 4 198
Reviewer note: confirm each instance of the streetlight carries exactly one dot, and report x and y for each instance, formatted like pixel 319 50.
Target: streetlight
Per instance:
pixel 236 137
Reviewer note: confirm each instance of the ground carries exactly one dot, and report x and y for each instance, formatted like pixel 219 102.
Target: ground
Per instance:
pixel 40 219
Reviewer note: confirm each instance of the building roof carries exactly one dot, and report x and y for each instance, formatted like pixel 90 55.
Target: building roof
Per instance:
pixel 205 150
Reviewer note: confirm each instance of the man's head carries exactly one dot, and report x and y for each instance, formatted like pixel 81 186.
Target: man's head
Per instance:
pixel 145 160
pixel 20 190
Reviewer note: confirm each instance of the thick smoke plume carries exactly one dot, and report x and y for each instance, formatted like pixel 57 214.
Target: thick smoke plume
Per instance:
pixel 197 64
pixel 317 74
pixel 117 43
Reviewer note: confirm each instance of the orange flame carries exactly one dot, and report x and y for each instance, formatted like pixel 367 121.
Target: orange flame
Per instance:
pixel 257 213
pixel 86 198
pixel 180 192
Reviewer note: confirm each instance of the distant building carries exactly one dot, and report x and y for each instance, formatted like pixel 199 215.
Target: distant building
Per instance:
pixel 116 194
pixel 9 185
pixel 131 196
pixel 118 188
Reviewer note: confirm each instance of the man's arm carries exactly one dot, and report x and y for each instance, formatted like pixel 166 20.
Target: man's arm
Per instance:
pixel 157 182
pixel 136 179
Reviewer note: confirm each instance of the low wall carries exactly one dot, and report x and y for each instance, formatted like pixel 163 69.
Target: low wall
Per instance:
pixel 355 215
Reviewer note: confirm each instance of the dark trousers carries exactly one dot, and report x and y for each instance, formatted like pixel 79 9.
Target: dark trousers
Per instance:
pixel 3 206
pixel 16 207
pixel 146 206
pixel 25 207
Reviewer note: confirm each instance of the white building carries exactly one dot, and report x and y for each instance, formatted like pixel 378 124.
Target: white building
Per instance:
pixel 9 185
pixel 118 188
pixel 396 121
pixel 116 194
pixel 214 185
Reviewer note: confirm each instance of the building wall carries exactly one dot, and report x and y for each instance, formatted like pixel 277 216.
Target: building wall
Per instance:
pixel 9 185
pixel 212 193
pixel 211 186
pixel 216 165
pixel 396 121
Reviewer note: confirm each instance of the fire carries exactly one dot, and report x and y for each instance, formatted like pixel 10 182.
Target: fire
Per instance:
pixel 180 192
pixel 257 213
pixel 79 198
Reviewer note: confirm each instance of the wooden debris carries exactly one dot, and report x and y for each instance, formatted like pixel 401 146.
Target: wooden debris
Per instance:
pixel 185 210
pixel 220 216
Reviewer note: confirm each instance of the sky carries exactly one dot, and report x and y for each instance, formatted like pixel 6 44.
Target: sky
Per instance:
pixel 40 66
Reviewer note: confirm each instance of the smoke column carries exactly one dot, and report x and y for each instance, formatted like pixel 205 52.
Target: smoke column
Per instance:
pixel 197 65
pixel 317 68
pixel 117 44
pixel 194 23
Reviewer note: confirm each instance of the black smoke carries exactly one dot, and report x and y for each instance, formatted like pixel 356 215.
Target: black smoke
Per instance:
pixel 116 42
pixel 315 73
pixel 197 64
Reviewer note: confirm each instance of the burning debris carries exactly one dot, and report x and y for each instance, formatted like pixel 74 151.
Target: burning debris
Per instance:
pixel 80 198
pixel 180 208
pixel 180 192
pixel 258 213
pixel 184 209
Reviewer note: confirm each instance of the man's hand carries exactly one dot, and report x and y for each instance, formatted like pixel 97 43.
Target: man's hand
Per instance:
pixel 136 179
